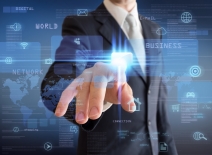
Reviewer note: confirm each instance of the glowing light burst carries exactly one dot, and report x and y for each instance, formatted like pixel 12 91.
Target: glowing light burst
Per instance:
pixel 121 60
pixel 119 47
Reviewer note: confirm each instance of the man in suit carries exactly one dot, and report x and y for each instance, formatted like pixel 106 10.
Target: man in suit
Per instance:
pixel 102 123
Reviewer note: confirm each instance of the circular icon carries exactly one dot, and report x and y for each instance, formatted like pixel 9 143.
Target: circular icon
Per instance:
pixel 195 71
pixel 8 60
pixel 15 129
pixel 47 146
pixel 186 17
pixel 199 136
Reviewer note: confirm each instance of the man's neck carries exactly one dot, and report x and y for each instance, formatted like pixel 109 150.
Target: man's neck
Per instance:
pixel 128 5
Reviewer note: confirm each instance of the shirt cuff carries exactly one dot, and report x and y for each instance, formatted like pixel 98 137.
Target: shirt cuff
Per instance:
pixel 106 106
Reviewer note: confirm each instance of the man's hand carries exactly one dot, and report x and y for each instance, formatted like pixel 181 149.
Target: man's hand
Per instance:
pixel 102 82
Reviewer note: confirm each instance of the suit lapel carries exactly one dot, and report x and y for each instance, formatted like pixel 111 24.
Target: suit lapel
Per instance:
pixel 110 29
pixel 112 32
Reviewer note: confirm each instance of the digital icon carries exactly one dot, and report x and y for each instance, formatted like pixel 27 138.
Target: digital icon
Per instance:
pixel 161 31
pixel 186 17
pixel 15 129
pixel 163 147
pixel 176 108
pixel 47 146
pixel 190 95
pixel 195 71
pixel 77 41
pixel 16 27
pixel 8 60
pixel 48 61
pixel 24 45
pixel 82 12
pixel 199 136
pixel 144 145
pixel 152 135
pixel 139 137
pixel 206 107
pixel 137 106
pixel 73 129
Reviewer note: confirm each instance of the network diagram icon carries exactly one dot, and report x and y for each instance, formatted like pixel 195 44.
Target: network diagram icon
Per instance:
pixel 186 17
pixel 206 107
pixel 24 45
pixel 16 27
pixel 139 137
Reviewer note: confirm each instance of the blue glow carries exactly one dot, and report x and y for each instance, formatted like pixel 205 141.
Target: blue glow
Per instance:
pixel 123 59
pixel 22 56
pixel 194 92
pixel 178 54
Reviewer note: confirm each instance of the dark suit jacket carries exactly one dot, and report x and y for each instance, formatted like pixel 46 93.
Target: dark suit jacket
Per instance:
pixel 146 129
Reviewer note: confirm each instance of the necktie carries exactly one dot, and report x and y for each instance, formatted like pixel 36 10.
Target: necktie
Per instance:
pixel 136 39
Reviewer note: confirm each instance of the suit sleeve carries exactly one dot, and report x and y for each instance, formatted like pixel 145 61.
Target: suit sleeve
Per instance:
pixel 63 71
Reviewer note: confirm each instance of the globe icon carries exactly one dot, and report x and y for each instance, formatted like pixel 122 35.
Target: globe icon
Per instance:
pixel 186 17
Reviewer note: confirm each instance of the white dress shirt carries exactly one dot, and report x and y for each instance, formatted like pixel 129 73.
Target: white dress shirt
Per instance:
pixel 120 14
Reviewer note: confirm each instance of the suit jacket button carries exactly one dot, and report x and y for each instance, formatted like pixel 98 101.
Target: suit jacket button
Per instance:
pixel 149 123
pixel 149 91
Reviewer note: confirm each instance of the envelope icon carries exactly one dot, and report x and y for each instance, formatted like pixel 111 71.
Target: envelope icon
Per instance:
pixel 82 12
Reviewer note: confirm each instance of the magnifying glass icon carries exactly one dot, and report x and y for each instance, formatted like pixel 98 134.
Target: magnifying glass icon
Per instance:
pixel 199 136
